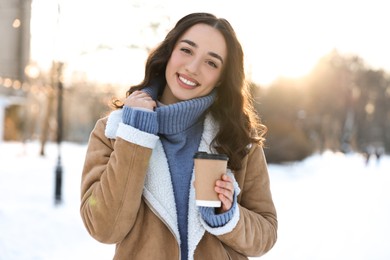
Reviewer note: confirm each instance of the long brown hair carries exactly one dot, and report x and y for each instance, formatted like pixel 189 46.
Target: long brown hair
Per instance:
pixel 233 108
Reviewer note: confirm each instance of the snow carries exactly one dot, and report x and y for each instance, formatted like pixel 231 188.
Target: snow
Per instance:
pixel 330 206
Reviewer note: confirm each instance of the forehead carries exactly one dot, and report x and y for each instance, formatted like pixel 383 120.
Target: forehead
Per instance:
pixel 207 38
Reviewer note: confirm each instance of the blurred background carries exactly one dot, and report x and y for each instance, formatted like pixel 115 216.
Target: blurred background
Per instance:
pixel 319 71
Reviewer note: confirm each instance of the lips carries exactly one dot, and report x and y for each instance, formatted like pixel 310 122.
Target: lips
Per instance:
pixel 187 82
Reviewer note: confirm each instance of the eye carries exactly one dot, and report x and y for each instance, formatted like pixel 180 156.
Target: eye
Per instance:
pixel 185 50
pixel 212 64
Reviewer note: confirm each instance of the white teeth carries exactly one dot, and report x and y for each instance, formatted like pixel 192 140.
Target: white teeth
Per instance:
pixel 186 81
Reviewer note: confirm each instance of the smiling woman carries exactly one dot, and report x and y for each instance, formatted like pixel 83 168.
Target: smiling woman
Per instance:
pixel 196 64
pixel 139 168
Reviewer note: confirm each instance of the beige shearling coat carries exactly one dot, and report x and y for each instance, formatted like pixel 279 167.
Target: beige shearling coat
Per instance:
pixel 127 199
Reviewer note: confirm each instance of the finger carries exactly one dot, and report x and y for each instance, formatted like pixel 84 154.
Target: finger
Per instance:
pixel 140 99
pixel 227 178
pixel 150 104
pixel 226 203
pixel 226 184
pixel 225 192
pixel 140 94
pixel 135 93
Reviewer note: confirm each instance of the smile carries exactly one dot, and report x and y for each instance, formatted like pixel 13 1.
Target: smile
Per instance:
pixel 187 81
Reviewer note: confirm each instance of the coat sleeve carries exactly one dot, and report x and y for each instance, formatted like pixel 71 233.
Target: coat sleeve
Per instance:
pixel 111 185
pixel 256 230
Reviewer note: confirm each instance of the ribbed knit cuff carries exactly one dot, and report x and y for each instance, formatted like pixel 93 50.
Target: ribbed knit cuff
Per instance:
pixel 218 220
pixel 143 120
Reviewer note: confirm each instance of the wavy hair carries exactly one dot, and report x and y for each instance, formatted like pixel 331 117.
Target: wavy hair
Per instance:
pixel 233 107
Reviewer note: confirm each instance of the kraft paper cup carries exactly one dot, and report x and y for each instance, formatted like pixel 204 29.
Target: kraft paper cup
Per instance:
pixel 208 169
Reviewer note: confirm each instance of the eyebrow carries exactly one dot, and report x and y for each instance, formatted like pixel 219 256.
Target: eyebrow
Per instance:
pixel 213 54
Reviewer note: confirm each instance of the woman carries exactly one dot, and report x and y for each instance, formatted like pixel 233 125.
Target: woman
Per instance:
pixel 136 188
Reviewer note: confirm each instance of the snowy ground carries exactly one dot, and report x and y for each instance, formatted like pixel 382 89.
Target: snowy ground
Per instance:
pixel 330 207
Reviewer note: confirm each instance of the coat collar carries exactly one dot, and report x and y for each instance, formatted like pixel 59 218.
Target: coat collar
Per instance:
pixel 158 190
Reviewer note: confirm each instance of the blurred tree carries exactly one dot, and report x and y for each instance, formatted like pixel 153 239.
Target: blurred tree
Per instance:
pixel 342 105
pixel 84 104
pixel 282 111
pixel 373 109
pixel 329 89
pixel 49 115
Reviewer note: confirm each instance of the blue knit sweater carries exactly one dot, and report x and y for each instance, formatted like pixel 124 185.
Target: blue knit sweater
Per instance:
pixel 180 128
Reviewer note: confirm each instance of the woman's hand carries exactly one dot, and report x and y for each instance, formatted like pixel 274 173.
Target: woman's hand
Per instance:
pixel 225 189
pixel 139 99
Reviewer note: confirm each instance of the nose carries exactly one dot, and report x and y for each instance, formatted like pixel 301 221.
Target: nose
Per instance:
pixel 193 66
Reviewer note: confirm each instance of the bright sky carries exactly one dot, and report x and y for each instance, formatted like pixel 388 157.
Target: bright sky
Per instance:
pixel 280 37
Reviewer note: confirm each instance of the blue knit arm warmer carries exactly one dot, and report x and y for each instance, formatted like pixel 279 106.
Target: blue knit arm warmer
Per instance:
pixel 141 119
pixel 218 220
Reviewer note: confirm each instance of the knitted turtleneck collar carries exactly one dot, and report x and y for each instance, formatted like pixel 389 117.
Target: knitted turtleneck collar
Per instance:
pixel 177 117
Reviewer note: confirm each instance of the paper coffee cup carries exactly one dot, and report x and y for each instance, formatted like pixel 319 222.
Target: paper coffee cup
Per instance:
pixel 208 169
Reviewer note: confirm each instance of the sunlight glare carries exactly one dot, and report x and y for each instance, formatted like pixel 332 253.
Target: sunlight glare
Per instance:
pixel 280 38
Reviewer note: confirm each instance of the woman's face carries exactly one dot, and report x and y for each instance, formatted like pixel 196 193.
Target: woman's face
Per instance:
pixel 195 65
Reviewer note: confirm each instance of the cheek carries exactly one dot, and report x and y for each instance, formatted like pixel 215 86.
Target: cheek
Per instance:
pixel 214 79
pixel 169 67
pixel 174 61
pixel 170 71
